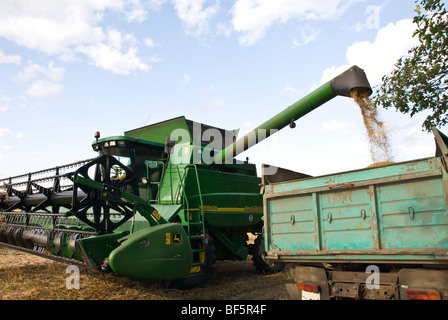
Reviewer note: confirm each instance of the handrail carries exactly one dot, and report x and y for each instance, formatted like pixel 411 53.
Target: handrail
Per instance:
pixel 184 194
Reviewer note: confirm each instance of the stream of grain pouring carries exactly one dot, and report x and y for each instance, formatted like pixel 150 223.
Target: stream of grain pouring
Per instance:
pixel 377 133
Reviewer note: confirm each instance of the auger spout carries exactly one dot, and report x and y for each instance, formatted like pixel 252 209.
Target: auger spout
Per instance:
pixel 342 85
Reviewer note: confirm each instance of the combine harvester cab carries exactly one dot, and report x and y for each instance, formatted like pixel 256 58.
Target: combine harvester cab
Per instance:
pixel 161 203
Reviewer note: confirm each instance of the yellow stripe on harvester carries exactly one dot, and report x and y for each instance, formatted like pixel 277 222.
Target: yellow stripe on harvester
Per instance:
pixel 229 209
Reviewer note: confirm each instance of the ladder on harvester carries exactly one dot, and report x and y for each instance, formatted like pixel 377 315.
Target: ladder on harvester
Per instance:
pixel 193 222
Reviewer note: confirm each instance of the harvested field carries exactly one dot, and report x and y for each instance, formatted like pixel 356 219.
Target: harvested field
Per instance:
pixel 24 276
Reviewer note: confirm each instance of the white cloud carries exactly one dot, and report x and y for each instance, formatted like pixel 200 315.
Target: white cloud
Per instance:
pixel 68 28
pixel 416 143
pixel 224 29
pixel 210 89
pixel 214 104
pixel 334 125
pixel 42 81
pixel 194 16
pixel 51 26
pixel 254 17
pixel 14 134
pixel 379 57
pixel 332 72
pixel 2 132
pixel 4 103
pixel 150 43
pixel 117 53
pixel 13 59
pixel 248 124
pixel 137 10
pixel 288 88
pixel 306 36
pixel 134 10
pixel 32 71
pixel 154 59
pixel 154 4
pixel 186 78
pixel 42 88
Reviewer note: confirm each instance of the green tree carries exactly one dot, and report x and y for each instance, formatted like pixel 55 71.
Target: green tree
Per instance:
pixel 419 81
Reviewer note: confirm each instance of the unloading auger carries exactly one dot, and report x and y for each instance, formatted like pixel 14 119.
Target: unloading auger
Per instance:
pixel 161 203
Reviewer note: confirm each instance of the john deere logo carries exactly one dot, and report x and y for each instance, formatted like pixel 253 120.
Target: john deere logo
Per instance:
pixel 177 238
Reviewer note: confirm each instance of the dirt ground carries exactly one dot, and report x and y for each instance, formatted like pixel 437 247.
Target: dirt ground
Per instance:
pixel 25 276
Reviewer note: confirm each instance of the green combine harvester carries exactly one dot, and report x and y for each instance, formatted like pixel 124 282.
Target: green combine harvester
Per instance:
pixel 160 204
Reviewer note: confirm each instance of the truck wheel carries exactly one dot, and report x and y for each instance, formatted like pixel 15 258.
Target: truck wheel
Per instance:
pixel 202 277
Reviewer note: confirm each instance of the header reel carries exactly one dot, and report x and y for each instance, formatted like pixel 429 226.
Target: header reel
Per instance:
pixel 52 209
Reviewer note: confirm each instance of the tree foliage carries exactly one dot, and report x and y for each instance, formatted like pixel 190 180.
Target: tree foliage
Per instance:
pixel 419 81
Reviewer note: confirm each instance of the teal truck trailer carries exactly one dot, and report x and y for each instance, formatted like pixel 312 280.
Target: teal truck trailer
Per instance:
pixel 377 233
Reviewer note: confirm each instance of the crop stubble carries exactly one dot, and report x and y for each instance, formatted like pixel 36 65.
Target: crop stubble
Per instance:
pixel 25 276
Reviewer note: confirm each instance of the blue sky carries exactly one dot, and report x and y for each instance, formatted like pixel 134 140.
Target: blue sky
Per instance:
pixel 70 68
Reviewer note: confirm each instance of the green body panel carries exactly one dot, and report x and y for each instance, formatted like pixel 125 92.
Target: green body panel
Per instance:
pixel 159 131
pixel 228 200
pixel 158 253
pixel 230 203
